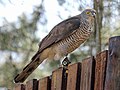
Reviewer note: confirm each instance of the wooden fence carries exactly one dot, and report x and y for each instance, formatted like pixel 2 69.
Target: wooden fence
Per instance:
pixel 100 72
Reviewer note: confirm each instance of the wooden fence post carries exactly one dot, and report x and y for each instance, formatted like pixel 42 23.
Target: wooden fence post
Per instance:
pixel 19 87
pixel 87 74
pixel 32 85
pixel 73 80
pixel 100 70
pixel 44 84
pixel 58 80
pixel 113 66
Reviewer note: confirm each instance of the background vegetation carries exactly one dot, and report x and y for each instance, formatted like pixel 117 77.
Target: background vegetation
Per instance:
pixel 19 40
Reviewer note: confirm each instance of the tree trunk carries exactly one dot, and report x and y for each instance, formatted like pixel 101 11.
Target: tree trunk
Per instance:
pixel 98 6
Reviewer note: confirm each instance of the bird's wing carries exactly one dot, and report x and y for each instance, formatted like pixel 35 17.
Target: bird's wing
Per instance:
pixel 59 32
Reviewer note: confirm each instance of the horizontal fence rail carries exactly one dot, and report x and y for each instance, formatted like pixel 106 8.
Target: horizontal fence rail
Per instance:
pixel 100 72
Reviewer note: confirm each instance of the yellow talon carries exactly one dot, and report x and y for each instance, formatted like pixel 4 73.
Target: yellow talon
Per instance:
pixel 66 71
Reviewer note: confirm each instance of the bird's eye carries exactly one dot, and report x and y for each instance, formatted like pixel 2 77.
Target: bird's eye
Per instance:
pixel 88 12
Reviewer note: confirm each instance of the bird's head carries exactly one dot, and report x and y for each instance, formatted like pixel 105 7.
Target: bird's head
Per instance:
pixel 89 14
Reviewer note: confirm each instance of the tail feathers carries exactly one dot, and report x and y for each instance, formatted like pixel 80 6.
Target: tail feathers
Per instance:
pixel 28 69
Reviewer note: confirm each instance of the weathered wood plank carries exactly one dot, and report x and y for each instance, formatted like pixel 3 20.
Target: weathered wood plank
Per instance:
pixel 88 68
pixel 100 70
pixel 19 87
pixel 44 84
pixel 73 81
pixel 58 80
pixel 112 81
pixel 32 85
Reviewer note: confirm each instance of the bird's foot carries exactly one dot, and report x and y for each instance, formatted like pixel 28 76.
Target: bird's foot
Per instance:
pixel 66 62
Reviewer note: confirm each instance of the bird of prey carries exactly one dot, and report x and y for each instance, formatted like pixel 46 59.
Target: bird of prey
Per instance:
pixel 64 38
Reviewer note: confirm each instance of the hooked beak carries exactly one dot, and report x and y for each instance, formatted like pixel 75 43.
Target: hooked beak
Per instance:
pixel 94 14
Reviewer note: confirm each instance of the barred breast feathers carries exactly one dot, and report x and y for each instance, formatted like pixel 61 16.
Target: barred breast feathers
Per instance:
pixel 73 41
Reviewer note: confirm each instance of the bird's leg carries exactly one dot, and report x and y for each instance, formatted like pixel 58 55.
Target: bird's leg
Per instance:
pixel 66 62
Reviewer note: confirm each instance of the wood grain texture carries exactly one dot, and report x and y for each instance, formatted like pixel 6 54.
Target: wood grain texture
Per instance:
pixel 32 85
pixel 58 80
pixel 73 81
pixel 87 80
pixel 19 87
pixel 44 84
pixel 100 70
pixel 113 66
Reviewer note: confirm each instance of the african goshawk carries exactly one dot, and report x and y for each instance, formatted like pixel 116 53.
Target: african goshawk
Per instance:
pixel 64 38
